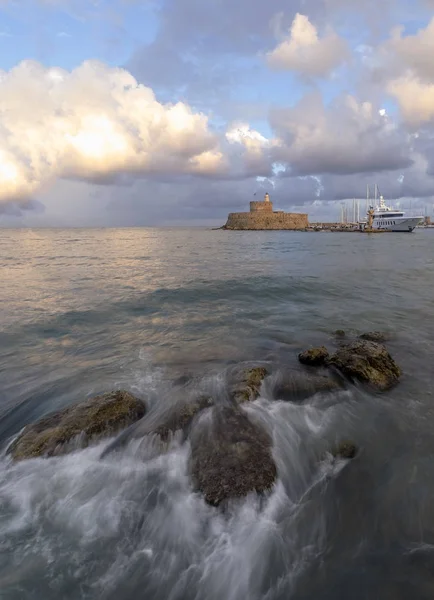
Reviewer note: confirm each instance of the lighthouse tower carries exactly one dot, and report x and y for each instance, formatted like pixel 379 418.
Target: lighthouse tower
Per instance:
pixel 263 206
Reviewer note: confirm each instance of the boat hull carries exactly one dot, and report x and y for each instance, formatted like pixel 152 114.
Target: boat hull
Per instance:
pixel 403 225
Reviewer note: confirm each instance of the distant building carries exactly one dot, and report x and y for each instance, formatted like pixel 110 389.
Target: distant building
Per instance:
pixel 262 216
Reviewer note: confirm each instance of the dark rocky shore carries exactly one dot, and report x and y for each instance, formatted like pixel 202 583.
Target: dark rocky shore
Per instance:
pixel 231 454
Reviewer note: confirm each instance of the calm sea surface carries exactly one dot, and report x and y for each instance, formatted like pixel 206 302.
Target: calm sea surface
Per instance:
pixel 86 311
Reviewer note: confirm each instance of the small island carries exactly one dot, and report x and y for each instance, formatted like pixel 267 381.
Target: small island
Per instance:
pixel 262 216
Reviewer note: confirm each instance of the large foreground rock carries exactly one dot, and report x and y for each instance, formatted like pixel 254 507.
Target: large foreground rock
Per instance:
pixel 367 362
pixel 95 418
pixel 230 456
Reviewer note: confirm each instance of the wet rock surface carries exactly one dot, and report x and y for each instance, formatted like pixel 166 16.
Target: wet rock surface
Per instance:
pixel 164 420
pixel 314 357
pixel 230 456
pixel 367 362
pixel 375 336
pixel 181 417
pixel 296 386
pixel 340 334
pixel 92 419
pixel 345 449
pixel 248 386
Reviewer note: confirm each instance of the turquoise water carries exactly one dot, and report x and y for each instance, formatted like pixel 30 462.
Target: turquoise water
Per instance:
pixel 85 311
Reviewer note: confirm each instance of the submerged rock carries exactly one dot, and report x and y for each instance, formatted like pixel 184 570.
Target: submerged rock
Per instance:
pixel 314 357
pixel 163 421
pixel 230 456
pixel 181 417
pixel 248 388
pixel 345 449
pixel 340 333
pixel 367 362
pixel 95 418
pixel 374 336
pixel 296 387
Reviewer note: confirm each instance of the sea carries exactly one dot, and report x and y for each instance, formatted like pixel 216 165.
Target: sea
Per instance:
pixel 84 311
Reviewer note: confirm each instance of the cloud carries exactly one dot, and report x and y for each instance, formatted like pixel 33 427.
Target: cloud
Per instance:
pixel 97 123
pixel 406 67
pixel 306 53
pixel 414 52
pixel 253 147
pixel 415 99
pixel 345 137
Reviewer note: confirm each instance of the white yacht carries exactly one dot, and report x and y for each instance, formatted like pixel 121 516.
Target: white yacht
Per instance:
pixel 387 218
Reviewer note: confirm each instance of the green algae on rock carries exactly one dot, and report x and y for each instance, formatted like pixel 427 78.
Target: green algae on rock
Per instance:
pixel 249 387
pixel 92 419
pixel 314 357
pixel 367 362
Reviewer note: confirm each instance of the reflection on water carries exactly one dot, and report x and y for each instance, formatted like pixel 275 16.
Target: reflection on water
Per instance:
pixel 89 310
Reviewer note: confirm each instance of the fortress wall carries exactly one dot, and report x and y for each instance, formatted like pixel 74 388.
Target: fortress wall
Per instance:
pixel 265 220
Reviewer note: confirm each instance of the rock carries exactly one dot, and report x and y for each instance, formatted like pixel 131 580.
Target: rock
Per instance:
pixel 230 456
pixel 164 420
pixel 98 417
pixel 340 333
pixel 296 387
pixel 248 388
pixel 181 417
pixel 184 379
pixel 314 357
pixel 374 336
pixel 367 362
pixel 345 449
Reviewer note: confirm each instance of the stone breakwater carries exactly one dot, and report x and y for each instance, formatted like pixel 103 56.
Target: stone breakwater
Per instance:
pixel 266 220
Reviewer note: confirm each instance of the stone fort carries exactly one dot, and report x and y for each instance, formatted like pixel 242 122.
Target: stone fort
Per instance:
pixel 262 216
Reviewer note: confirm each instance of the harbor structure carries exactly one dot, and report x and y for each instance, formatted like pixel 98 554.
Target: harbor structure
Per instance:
pixel 262 216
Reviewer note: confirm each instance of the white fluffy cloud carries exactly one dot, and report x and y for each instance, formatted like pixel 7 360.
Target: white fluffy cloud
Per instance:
pixel 94 123
pixel 305 52
pixel 253 148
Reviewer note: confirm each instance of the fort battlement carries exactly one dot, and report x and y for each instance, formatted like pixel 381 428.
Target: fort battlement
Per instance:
pixel 262 216
pixel 262 206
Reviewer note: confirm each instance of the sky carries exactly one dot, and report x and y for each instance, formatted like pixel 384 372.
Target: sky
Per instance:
pixel 176 112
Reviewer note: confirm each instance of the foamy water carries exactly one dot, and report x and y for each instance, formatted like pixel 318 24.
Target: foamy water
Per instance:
pixel 131 522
